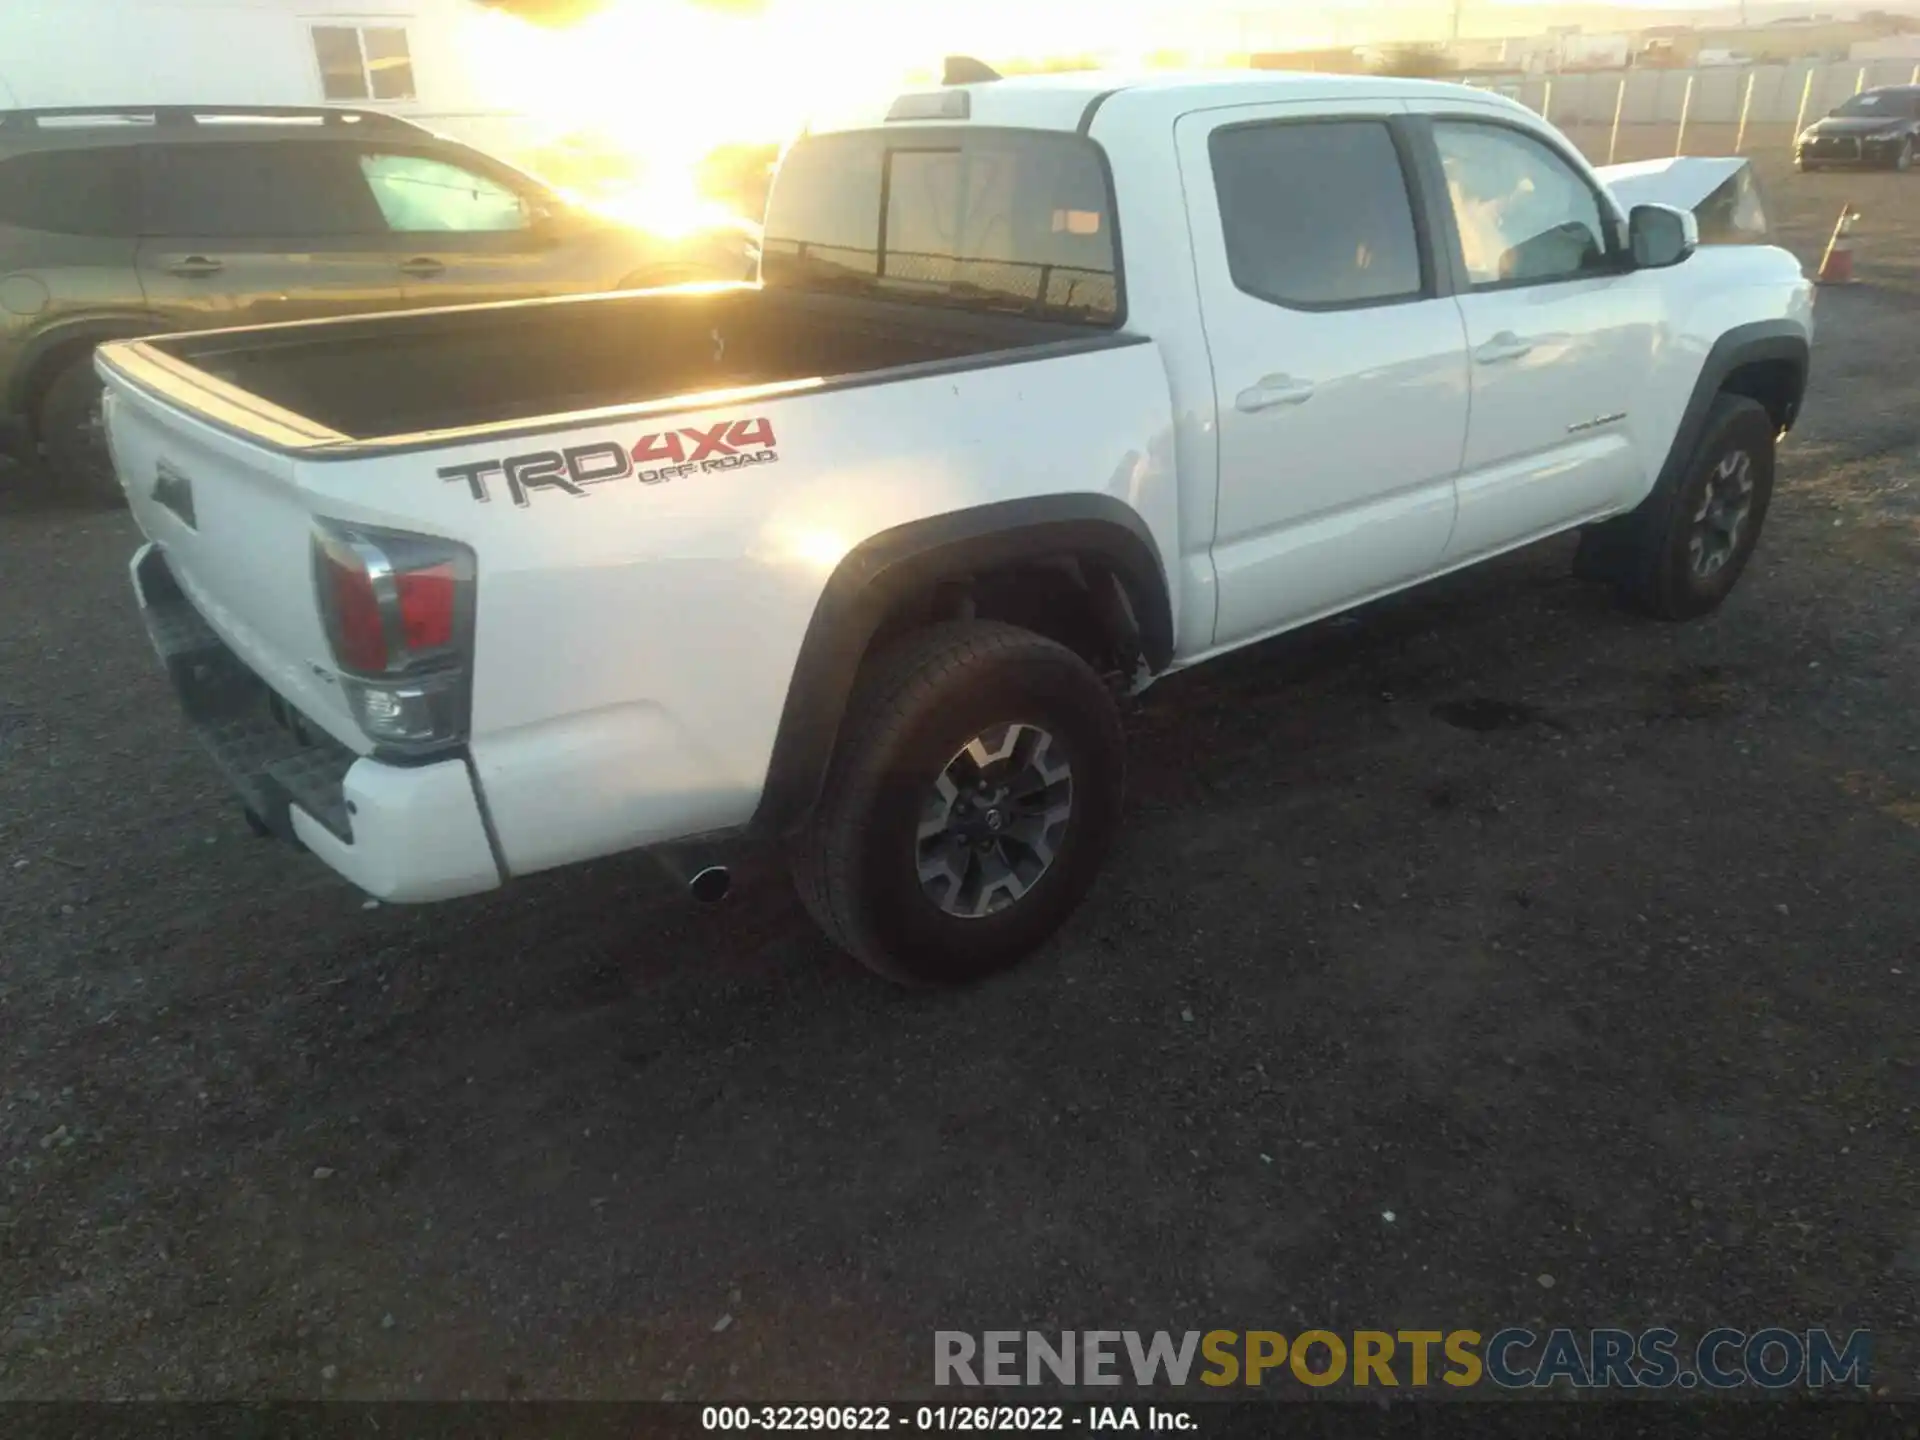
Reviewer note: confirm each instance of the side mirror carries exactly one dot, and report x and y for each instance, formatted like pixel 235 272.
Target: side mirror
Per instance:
pixel 1660 235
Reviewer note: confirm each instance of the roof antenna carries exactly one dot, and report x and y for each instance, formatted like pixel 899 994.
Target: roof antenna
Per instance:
pixel 965 70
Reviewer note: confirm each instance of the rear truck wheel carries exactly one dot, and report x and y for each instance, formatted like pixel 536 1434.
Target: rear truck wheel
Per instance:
pixel 73 436
pixel 970 803
pixel 1681 553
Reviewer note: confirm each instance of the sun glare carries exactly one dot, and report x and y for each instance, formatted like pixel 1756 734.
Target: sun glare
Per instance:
pixel 664 83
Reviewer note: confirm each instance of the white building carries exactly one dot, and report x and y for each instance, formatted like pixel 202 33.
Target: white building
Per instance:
pixel 405 56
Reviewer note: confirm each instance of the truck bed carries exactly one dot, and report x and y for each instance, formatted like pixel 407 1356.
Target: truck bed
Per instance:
pixel 381 377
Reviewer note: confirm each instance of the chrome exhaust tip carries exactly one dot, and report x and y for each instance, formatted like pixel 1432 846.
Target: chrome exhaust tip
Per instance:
pixel 710 886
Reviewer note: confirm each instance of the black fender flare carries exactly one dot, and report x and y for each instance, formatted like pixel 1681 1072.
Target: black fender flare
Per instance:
pixel 1762 340
pixel 1605 547
pixel 90 329
pixel 885 569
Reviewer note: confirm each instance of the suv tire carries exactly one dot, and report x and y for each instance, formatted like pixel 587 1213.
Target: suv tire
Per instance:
pixel 73 437
pixel 1683 551
pixel 930 866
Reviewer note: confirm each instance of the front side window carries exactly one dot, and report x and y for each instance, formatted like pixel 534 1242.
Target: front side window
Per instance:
pixel 72 192
pixel 417 194
pixel 986 220
pixel 1525 215
pixel 363 62
pixel 1317 215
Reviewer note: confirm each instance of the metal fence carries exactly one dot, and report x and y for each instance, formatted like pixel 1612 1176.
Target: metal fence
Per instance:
pixel 1738 95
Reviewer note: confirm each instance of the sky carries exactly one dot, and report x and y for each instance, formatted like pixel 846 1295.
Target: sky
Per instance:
pixel 674 78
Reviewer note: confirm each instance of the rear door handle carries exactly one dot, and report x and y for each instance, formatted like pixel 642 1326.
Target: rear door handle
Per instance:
pixel 425 267
pixel 1273 392
pixel 1504 346
pixel 195 266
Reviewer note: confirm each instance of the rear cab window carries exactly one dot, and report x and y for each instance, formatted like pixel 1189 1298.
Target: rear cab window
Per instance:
pixel 1019 221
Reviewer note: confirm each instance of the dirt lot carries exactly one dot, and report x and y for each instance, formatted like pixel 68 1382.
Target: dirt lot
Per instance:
pixel 1585 947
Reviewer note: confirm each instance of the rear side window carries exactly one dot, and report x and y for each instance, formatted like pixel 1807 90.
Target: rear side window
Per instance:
pixel 72 192
pixel 1317 214
pixel 291 189
pixel 984 219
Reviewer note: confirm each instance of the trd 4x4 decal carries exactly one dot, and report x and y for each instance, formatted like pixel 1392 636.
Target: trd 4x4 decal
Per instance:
pixel 654 460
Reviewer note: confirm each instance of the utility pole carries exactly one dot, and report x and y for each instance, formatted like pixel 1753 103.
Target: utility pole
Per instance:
pixel 1458 6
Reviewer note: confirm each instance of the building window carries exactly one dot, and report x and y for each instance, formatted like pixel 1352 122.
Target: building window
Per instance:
pixel 363 62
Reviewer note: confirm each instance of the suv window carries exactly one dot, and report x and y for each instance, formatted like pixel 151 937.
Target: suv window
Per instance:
pixel 72 192
pixel 237 188
pixel 1317 214
pixel 1525 215
pixel 415 193
pixel 981 219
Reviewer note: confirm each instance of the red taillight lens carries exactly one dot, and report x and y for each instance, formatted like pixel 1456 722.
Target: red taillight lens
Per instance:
pixel 398 609
pixel 359 637
pixel 393 602
pixel 427 599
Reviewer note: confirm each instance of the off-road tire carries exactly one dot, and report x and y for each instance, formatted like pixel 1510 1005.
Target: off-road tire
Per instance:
pixel 1647 554
pixel 914 707
pixel 68 428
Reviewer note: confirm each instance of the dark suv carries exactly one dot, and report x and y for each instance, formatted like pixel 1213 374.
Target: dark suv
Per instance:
pixel 1876 127
pixel 123 222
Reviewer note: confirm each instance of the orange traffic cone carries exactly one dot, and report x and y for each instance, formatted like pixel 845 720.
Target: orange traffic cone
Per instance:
pixel 1836 266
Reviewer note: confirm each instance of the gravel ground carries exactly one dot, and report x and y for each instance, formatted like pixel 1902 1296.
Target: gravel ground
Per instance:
pixel 1584 946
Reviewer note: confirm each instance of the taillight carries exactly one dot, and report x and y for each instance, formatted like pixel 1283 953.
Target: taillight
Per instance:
pixel 398 610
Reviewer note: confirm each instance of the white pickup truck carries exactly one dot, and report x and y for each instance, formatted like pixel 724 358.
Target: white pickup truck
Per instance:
pixel 1050 387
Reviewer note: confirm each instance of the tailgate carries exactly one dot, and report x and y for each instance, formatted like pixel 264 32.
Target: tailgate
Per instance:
pixel 236 534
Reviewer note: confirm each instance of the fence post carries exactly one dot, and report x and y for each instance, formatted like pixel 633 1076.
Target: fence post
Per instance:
pixel 1619 101
pixel 1800 120
pixel 1746 104
pixel 1686 105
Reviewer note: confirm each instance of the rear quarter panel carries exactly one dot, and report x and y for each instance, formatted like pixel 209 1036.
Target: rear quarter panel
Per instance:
pixel 635 641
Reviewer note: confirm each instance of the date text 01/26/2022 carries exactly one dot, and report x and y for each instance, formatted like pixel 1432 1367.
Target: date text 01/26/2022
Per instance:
pixel 976 1419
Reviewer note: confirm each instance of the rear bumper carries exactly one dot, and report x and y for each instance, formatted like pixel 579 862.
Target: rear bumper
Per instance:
pixel 403 833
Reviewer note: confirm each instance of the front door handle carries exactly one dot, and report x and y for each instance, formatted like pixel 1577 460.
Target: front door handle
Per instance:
pixel 1273 392
pixel 424 268
pixel 1504 346
pixel 194 267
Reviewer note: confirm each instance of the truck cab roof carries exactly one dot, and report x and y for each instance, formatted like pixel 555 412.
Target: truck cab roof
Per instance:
pixel 1069 101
